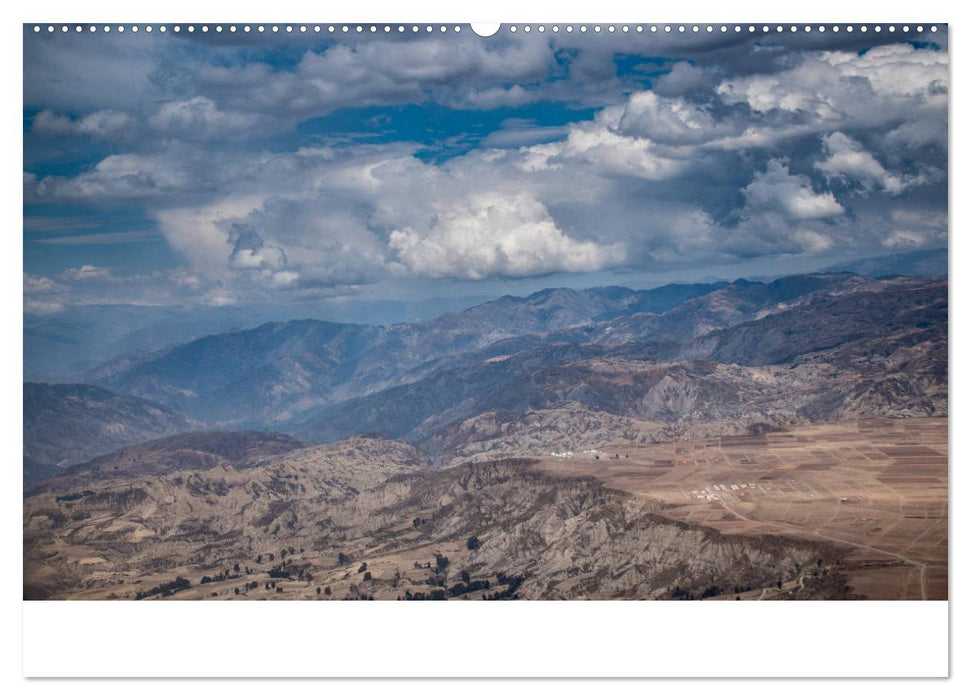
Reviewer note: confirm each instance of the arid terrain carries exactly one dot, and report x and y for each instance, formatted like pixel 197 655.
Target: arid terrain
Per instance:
pixel 877 486
pixel 848 510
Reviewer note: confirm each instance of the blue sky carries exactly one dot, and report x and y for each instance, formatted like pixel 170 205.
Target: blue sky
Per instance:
pixel 205 171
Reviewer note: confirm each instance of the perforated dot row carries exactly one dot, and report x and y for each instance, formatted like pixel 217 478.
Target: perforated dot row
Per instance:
pixel 428 28
pixel 723 28
pixel 245 28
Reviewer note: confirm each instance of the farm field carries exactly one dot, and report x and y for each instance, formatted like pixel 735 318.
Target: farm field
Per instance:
pixel 877 487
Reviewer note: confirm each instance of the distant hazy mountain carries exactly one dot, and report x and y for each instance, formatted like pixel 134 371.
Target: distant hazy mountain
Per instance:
pixel 677 358
pixel 66 424
pixel 65 346
pixel 918 263
pixel 276 372
pixel 829 357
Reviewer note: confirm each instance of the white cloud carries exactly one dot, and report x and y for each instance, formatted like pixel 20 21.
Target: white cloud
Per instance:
pixel 653 179
pixel 669 120
pixel 493 234
pixel 812 241
pixel 832 90
pixel 847 159
pixel 777 189
pixel 602 144
pixel 459 71
pixel 199 117
pixel 201 234
pixel 103 124
pixel 38 285
pixel 915 229
pixel 121 176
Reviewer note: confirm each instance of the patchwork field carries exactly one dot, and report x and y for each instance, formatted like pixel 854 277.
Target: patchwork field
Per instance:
pixel 875 486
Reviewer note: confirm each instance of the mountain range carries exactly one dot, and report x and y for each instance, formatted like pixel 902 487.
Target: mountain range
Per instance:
pixel 476 455
pixel 678 360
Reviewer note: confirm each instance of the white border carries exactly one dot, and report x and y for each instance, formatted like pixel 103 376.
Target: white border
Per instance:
pixel 292 639
pixel 515 639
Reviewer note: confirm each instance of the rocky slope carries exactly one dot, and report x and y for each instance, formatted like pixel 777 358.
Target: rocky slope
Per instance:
pixel 852 354
pixel 197 451
pixel 309 526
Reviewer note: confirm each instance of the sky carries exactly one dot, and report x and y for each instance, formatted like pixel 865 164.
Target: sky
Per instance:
pixel 282 171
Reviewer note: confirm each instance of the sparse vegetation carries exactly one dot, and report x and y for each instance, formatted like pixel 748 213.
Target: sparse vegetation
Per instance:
pixel 165 589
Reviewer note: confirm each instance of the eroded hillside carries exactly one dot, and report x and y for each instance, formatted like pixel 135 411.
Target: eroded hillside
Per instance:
pixel 362 519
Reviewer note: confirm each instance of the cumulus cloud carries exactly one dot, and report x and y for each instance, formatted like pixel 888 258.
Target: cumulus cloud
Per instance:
pixel 686 173
pixel 915 229
pixel 847 159
pixel 776 189
pixel 497 235
pixel 251 253
pixel 103 124
pixel 894 84
pixel 199 117
pixel 42 295
pixel 117 177
pixel 40 285
pixel 603 144
pixel 674 121
pixel 685 80
pixel 460 71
